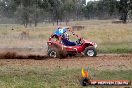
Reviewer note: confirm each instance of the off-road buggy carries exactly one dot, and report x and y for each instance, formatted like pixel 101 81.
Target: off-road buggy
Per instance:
pixel 57 48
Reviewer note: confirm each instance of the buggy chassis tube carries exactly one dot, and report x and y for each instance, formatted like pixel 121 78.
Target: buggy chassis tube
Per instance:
pixel 74 33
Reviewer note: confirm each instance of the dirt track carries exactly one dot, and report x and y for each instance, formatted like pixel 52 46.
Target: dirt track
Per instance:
pixel 102 62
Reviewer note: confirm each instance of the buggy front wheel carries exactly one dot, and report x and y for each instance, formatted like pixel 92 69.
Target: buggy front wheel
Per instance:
pixel 90 51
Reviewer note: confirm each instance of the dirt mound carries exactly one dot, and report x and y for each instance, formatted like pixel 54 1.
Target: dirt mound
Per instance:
pixel 14 55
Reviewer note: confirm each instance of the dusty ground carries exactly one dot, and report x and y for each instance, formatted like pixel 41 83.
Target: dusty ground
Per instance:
pixel 101 62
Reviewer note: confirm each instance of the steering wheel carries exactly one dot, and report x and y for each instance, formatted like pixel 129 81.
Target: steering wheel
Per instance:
pixel 79 42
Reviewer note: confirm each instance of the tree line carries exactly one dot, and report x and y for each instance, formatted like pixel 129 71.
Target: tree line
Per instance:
pixel 29 12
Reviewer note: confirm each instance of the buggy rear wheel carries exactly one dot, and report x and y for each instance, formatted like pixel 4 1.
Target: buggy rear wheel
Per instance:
pixel 55 53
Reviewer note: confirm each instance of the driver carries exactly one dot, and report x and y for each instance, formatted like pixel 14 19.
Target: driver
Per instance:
pixel 65 40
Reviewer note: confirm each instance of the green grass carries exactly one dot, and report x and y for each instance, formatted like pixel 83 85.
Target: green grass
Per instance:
pixel 40 77
pixel 115 75
pixel 117 48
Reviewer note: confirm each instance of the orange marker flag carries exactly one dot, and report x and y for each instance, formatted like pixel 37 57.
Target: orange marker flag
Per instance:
pixel 84 73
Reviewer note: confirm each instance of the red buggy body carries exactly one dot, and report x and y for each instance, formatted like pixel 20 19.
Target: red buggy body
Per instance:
pixel 57 49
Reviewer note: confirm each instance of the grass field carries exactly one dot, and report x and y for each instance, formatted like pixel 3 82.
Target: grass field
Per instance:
pixel 40 77
pixel 111 38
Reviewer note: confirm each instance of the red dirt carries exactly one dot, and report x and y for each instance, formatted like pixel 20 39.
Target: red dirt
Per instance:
pixel 102 62
pixel 14 55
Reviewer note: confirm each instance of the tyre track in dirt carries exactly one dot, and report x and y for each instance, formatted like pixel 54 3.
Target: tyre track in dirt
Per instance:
pixel 102 62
